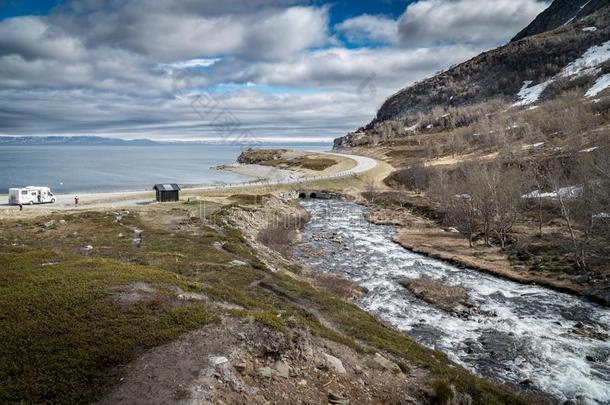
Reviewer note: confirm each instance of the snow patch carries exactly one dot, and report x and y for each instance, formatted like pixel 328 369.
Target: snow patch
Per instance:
pixel 602 83
pixel 589 29
pixel 587 63
pixel 589 150
pixel 564 192
pixel 534 145
pixel 529 95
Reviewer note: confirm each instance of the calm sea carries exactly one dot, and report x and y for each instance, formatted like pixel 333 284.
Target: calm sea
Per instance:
pixel 121 168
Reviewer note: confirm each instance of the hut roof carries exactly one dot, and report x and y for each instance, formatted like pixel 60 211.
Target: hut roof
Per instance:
pixel 166 187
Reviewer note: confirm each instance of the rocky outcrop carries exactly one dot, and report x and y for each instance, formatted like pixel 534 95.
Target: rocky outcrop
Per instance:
pixel 560 13
pixel 238 362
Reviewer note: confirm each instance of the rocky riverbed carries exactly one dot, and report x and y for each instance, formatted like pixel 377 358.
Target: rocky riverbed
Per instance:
pixel 530 336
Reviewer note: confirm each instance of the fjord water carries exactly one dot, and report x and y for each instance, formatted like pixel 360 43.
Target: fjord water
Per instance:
pixel 121 168
pixel 530 339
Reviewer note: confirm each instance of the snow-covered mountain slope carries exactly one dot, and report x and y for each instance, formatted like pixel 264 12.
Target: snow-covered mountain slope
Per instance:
pixel 571 56
pixel 590 64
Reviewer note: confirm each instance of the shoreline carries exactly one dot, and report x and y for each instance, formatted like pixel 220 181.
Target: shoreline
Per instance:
pixel 144 197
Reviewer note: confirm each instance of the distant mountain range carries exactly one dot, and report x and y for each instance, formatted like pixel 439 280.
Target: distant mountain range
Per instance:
pixel 72 140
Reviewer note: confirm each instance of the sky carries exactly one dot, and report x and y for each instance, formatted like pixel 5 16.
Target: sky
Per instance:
pixel 232 70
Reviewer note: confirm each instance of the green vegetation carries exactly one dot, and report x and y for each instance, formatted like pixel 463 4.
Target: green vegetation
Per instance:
pixel 61 334
pixel 279 158
pixel 72 316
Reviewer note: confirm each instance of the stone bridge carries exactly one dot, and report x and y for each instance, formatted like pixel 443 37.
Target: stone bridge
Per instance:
pixel 319 194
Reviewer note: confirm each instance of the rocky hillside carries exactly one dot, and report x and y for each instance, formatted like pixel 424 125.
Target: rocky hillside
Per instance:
pixel 512 72
pixel 560 13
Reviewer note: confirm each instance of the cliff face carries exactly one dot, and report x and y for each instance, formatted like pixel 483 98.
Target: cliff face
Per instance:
pixel 560 13
pixel 501 73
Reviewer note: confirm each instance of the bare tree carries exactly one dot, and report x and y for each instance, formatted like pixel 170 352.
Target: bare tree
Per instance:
pixel 534 181
pixel 462 214
pixel 507 191
pixel 480 183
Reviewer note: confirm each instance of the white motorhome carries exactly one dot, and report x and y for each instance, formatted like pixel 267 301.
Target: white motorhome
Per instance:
pixel 30 195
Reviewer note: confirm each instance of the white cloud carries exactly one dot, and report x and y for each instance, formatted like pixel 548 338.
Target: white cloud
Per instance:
pixel 432 22
pixel 168 33
pixel 366 28
pixel 117 67
pixel 33 38
pixel 345 69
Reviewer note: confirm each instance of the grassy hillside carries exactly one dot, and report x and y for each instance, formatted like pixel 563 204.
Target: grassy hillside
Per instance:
pixel 83 294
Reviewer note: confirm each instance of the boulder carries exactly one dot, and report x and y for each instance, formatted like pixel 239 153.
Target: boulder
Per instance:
pixel 281 369
pixel 218 360
pixel 336 399
pixel 265 372
pixel 380 362
pixel 332 363
pixel 244 368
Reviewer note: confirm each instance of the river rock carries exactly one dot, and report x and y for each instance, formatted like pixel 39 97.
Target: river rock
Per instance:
pixel 528 382
pixel 589 331
pixel 452 299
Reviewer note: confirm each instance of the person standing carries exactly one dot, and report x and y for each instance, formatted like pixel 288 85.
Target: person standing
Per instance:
pixel 76 200
pixel 20 207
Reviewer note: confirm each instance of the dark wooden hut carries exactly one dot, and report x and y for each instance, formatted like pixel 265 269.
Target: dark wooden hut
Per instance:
pixel 167 192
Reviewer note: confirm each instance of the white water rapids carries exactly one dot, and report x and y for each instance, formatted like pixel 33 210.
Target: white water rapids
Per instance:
pixel 531 338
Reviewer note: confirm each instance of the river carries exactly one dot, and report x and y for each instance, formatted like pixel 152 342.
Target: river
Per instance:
pixel 531 338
